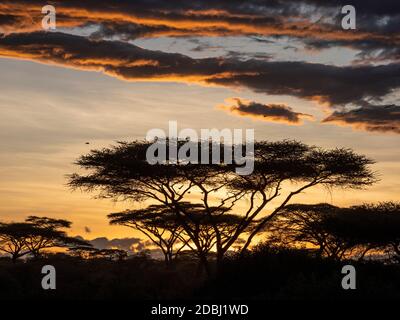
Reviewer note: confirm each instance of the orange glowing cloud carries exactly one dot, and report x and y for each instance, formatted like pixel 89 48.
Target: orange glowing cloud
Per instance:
pixel 332 86
pixel 155 19
pixel 372 118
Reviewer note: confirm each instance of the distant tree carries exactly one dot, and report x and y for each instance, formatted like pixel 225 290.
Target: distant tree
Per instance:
pixel 303 225
pixel 122 172
pixel 85 252
pixel 339 232
pixel 46 233
pixel 13 238
pixel 82 252
pixel 110 254
pixel 34 235
pixel 368 227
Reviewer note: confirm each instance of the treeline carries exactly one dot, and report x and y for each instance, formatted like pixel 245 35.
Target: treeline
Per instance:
pixel 229 210
pixel 204 219
pixel 323 229
pixel 36 236
pixel 357 233
pixel 263 273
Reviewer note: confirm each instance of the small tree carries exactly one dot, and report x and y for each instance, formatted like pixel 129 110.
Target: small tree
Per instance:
pixel 82 252
pixel 110 254
pixel 172 233
pixel 85 252
pixel 158 224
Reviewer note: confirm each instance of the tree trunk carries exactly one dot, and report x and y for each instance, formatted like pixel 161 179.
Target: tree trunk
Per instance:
pixel 204 265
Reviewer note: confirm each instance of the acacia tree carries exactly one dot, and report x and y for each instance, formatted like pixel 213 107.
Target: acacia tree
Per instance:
pixel 170 232
pixel 158 224
pixel 308 225
pixel 218 227
pixel 339 232
pixel 282 170
pixel 47 233
pixel 34 235
pixel 369 227
pixel 13 239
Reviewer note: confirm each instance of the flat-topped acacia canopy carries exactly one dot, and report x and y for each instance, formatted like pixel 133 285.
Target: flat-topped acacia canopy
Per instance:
pixel 122 172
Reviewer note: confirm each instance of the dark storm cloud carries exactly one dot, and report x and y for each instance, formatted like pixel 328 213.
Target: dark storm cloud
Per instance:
pixel 132 31
pixel 266 112
pixel 308 20
pixel 370 118
pixel 325 84
pixel 334 85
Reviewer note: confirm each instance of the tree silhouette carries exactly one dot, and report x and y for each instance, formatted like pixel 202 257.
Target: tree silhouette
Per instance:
pixel 13 239
pixel 46 233
pixel 339 232
pixel 368 227
pixel 159 224
pixel 122 172
pixel 307 225
pixel 86 252
pixel 35 235
pixel 171 233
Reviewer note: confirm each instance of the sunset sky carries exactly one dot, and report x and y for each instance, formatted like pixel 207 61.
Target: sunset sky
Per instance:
pixel 115 69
